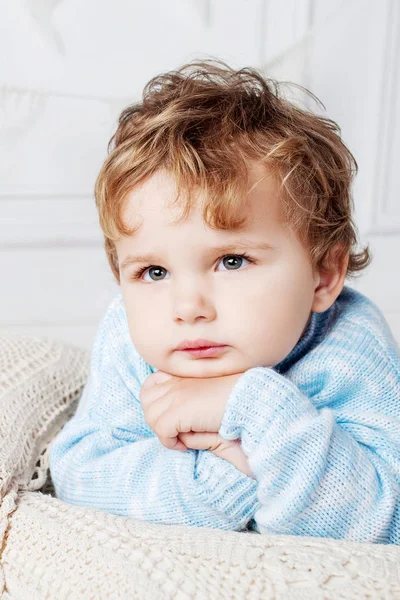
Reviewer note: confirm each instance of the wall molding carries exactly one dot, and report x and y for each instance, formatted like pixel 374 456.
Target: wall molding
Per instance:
pixel 46 220
pixel 384 220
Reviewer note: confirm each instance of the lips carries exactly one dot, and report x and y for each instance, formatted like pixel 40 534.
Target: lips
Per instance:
pixel 199 343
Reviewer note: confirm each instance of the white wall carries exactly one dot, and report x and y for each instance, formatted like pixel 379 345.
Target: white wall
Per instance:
pixel 348 54
pixel 67 68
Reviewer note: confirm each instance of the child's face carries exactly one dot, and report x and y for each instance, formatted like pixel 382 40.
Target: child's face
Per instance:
pixel 259 311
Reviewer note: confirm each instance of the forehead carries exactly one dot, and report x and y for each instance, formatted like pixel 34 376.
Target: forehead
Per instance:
pixel 151 200
pixel 149 205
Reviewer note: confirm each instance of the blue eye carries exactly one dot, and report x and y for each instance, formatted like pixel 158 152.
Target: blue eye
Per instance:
pixel 232 261
pixel 156 271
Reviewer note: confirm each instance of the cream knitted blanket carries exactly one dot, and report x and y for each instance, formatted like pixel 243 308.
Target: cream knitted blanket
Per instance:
pixel 52 550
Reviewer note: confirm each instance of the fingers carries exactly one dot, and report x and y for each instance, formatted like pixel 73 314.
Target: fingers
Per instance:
pixel 153 388
pixel 160 413
pixel 180 445
pixel 168 427
pixel 156 404
pixel 154 408
pixel 155 378
pixel 200 440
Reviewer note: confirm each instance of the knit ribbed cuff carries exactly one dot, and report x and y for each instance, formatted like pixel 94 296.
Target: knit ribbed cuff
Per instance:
pixel 256 400
pixel 225 488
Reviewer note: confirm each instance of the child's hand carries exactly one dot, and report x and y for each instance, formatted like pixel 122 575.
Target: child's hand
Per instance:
pixel 173 405
pixel 230 450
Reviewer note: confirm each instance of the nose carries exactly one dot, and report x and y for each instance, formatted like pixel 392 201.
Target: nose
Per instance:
pixel 193 301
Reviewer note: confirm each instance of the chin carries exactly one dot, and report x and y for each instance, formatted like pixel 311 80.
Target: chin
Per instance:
pixel 209 368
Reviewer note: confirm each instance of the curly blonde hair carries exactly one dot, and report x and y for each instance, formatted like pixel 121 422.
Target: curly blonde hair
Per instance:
pixel 203 123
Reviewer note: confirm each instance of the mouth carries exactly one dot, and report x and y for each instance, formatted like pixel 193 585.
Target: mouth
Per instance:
pixel 204 352
pixel 201 347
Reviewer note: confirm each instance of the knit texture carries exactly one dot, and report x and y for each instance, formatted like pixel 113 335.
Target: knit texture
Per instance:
pixel 321 431
pixel 41 381
pixel 53 550
pixel 56 551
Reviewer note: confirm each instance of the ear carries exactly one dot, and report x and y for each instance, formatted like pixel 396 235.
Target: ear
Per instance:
pixel 330 279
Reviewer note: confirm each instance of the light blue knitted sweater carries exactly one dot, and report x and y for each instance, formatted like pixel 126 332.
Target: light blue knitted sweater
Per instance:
pixel 321 431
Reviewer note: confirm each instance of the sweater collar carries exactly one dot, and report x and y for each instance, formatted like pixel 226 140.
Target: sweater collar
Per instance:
pixel 312 336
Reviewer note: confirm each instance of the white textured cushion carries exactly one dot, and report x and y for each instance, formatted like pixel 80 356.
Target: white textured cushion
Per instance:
pixel 52 550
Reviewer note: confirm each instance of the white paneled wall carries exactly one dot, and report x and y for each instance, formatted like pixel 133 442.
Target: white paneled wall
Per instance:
pixel 349 56
pixel 68 68
pixel 66 71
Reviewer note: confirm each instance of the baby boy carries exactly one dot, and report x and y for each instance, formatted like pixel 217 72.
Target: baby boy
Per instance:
pixel 235 381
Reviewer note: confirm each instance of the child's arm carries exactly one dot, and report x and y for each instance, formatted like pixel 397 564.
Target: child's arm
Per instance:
pixel 108 458
pixel 327 464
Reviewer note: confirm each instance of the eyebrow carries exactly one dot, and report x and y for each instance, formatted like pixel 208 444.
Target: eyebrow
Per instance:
pixel 152 258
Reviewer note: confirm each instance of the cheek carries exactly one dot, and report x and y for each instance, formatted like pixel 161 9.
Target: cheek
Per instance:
pixel 274 307
pixel 145 339
pixel 289 308
pixel 140 328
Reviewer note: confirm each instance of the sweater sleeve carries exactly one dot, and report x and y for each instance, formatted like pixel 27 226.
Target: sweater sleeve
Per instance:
pixel 327 465
pixel 107 457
